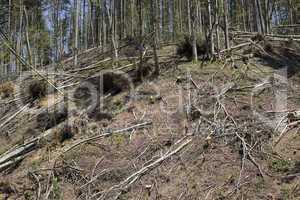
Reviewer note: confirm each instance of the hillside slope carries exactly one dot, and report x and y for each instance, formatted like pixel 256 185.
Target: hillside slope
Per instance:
pixel 207 130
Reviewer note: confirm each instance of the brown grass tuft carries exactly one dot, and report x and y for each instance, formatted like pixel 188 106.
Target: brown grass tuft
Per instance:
pixel 64 134
pixel 7 89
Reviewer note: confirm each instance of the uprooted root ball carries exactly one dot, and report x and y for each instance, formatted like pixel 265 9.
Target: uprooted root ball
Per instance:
pixel 185 48
pixel 47 120
pixel 100 85
pixel 64 134
pixel 37 89
pixel 258 38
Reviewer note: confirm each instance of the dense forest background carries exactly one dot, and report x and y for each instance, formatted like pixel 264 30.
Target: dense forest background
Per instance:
pixel 45 32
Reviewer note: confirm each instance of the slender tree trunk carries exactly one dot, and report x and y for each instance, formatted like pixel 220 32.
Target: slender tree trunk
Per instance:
pixel 217 27
pixel 161 12
pixel 27 37
pixel 171 18
pixel 260 16
pixel 189 16
pixel 227 45
pixel 19 41
pixel 210 32
pixel 132 17
pixel 104 30
pixel 194 37
pixel 154 44
pixel 112 32
pixel 180 16
pixel 85 25
pixel 244 14
pixel 200 18
pixel 76 32
pixel 140 67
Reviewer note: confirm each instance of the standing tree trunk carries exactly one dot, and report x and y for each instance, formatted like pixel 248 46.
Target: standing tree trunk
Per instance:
pixel 189 16
pixel 210 32
pixel 180 16
pixel 243 15
pixel 27 37
pixel 155 38
pixel 194 37
pixel 85 25
pixel 76 32
pixel 112 30
pixel 259 17
pixel 161 9
pixel 217 27
pixel 140 67
pixel 171 19
pixel 227 45
pixel 19 40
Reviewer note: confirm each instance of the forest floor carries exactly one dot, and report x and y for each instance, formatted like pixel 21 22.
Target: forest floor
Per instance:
pixel 210 130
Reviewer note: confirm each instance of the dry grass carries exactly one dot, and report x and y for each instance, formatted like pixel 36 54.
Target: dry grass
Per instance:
pixel 204 170
pixel 7 89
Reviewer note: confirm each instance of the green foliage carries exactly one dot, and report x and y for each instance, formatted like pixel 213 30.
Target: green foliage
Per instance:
pixel 286 193
pixel 281 165
pixel 56 189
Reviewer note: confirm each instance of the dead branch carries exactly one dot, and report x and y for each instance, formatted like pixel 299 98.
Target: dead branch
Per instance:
pixel 137 126
pixel 236 47
pixel 135 176
pixel 14 115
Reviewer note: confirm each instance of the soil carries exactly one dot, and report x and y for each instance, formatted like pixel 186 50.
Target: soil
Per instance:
pixel 212 166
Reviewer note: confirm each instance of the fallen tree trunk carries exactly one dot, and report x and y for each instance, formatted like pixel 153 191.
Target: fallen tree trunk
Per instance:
pixel 13 116
pixel 125 184
pixel 236 47
pixel 18 153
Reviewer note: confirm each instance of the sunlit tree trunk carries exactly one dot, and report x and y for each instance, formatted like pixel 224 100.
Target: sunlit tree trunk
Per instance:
pixel 226 32
pixel 76 32
pixel 210 26
pixel 155 38
pixel 27 37
pixel 161 19
pixel 217 27
pixel 189 17
pixel 171 18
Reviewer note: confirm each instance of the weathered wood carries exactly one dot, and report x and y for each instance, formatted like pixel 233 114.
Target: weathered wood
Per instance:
pixel 13 116
pixel 236 47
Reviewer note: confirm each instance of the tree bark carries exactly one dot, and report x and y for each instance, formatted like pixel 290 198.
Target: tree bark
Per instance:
pixel 154 44
pixel 210 32
pixel 76 32
pixel 189 17
pixel 194 37
pixel 217 27
pixel 227 44
pixel 27 37
pixel 140 67
pixel 171 19
pixel 260 17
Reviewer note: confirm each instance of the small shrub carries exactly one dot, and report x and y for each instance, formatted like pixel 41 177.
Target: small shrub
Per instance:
pixel 281 165
pixel 286 193
pixel 6 89
pixel 97 114
pixel 268 47
pixel 6 188
pixel 185 48
pixel 64 134
pixel 258 38
pixel 37 89
pixel 292 44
